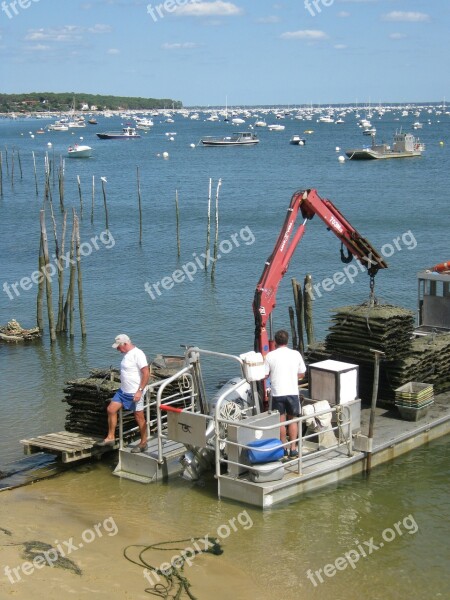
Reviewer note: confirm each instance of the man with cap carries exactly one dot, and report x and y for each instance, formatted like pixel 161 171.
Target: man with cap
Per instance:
pixel 134 376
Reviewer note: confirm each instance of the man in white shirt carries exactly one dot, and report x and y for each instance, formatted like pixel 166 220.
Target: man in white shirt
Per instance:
pixel 134 376
pixel 285 367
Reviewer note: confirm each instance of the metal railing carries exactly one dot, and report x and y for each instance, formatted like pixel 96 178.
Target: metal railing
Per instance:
pixel 342 439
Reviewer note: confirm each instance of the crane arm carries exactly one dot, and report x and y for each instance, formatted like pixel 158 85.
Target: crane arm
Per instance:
pixel 308 203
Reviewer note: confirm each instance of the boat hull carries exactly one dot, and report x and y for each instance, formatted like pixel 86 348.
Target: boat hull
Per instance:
pixel 116 136
pixel 368 154
pixel 81 152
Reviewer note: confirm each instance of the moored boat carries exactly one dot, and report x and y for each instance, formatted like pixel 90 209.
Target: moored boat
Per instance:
pixel 78 151
pixel 296 140
pixel 126 133
pixel 405 145
pixel 243 138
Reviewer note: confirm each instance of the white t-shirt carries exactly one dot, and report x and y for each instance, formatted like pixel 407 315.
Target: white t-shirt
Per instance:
pixel 130 370
pixel 283 365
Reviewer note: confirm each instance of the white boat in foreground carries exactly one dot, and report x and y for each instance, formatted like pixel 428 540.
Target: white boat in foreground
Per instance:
pixel 77 151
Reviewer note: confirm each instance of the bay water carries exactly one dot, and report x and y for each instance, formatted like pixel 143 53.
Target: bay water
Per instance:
pixel 401 206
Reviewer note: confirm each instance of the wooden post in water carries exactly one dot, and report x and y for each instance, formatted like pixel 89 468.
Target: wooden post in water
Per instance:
pixel 20 164
pixel 6 160
pixel 139 204
pixel 80 285
pixel 61 183
pixel 48 284
pixel 60 325
pixel 93 199
pixel 293 328
pixel 376 375
pixel 298 303
pixel 68 306
pixel 35 174
pixel 80 195
pixel 216 236
pixel 12 169
pixel 41 285
pixel 178 224
pixel 308 310
pixel 1 174
pixel 103 179
pixel 208 227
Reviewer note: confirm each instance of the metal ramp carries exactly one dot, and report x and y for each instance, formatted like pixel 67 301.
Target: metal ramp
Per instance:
pixel 146 467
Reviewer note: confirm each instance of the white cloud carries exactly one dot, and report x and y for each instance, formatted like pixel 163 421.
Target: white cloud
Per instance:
pixel 179 46
pixel 113 51
pixel 67 33
pixel 218 8
pixel 304 34
pixel 409 17
pixel 37 48
pixel 397 36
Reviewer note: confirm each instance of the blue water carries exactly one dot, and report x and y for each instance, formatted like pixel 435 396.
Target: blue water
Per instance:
pixel 401 206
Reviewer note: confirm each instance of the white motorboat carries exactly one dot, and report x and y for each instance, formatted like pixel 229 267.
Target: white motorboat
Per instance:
pixel 276 127
pixel 78 151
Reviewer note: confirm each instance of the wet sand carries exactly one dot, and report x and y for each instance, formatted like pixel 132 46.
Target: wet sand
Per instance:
pixel 93 529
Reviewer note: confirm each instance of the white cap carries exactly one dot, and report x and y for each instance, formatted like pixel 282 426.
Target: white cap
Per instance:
pixel 122 338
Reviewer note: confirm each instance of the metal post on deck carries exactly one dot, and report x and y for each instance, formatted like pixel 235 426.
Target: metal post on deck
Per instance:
pixel 378 354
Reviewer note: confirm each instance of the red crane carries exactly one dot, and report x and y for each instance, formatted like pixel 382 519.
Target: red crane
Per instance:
pixel 309 204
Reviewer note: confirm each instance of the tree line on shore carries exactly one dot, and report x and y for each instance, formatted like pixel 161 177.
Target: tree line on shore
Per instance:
pixel 50 101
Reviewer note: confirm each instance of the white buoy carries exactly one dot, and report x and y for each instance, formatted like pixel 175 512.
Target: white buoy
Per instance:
pixel 301 143
pixel 337 148
pixel 341 159
pixel 81 138
pixel 192 145
pixel 49 144
pixel 165 155
pixel 171 139
pixel 32 136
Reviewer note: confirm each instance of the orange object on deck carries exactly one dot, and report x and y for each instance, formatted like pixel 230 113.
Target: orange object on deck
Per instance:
pixel 441 267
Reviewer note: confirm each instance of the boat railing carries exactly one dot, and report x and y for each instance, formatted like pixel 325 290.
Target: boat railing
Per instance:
pixel 186 391
pixel 342 415
pixel 156 421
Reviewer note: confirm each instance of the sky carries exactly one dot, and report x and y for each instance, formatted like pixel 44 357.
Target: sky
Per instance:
pixel 244 52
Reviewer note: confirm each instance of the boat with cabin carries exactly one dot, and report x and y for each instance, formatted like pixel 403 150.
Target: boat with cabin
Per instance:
pixel 79 151
pixel 126 133
pixel 405 145
pixel 243 138
pixel 297 140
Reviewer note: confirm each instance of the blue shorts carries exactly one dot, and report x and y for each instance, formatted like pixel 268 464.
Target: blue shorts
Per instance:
pixel 127 402
pixel 289 405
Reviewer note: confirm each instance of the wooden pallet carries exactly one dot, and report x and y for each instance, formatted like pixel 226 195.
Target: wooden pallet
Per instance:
pixel 69 446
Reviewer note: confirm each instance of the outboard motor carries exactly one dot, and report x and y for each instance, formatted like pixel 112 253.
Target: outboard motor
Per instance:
pixel 197 461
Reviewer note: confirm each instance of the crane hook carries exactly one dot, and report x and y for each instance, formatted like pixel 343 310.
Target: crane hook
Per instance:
pixel 348 258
